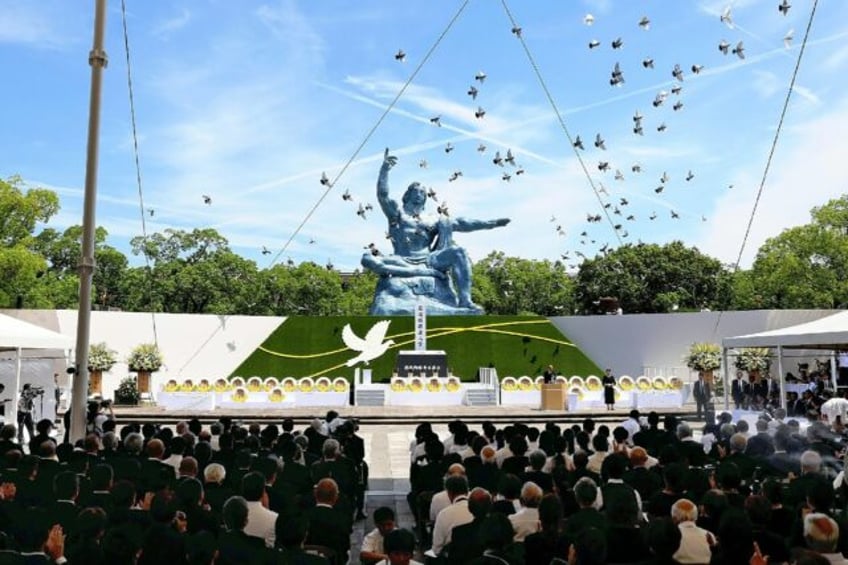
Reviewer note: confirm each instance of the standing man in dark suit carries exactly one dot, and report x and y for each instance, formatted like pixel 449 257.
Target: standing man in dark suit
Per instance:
pixel 703 396
pixel 549 375
pixel 738 390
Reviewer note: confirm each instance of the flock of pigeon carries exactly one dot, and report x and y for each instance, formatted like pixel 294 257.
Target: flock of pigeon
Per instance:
pixel 615 208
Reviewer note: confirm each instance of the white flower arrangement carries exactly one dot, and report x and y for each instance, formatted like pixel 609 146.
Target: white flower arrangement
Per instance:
pixel 145 357
pixel 101 358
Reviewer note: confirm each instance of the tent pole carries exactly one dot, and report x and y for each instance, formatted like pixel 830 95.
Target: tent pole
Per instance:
pixel 97 60
pixel 781 377
pixel 13 412
pixel 724 381
pixel 833 371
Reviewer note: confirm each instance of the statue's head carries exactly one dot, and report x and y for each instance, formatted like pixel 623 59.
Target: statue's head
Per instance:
pixel 414 198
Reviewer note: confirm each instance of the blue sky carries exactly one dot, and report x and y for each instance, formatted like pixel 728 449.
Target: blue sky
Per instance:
pixel 250 101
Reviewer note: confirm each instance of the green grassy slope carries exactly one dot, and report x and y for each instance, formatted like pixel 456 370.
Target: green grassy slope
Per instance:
pixel 515 345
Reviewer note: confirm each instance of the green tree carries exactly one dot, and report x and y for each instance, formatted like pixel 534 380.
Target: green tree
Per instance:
pixel 803 267
pixel 511 285
pixel 652 278
pixel 306 289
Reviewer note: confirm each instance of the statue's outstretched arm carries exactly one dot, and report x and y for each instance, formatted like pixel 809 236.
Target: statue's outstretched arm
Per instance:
pixel 389 206
pixel 466 224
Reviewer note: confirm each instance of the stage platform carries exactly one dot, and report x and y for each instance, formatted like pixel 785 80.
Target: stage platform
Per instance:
pixel 387 415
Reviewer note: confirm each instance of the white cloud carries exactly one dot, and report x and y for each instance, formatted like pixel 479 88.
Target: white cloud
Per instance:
pixel 806 173
pixel 172 24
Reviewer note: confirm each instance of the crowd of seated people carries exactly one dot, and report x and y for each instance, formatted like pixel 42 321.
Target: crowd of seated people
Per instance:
pixel 225 494
pixel 646 491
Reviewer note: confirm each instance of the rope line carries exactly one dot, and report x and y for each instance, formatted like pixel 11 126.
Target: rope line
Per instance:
pixel 773 147
pixel 561 121
pixel 138 168
pixel 370 132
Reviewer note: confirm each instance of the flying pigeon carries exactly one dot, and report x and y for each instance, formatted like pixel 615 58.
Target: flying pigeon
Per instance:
pixel 454 175
pixel 616 211
pixel 664 178
pixel 436 121
pixel 361 211
pixel 645 23
pixel 594 43
pixel 617 43
pixel 448 147
pixel 510 158
pixel 636 168
pixel 588 19
pixel 207 199
pixel 739 50
pixel 472 92
pixel 432 194
pixel 677 105
pixel 637 129
pixel 372 347
pixel 726 18
pixel 265 251
pixel 659 99
pixel 599 142
pixel 400 56
pixel 480 76
pixel 347 195
pixel 724 47
pixel 481 148
pixel 442 209
pixel 578 143
pixel 648 63
pixel 697 69
pixel 603 166
pixel 506 176
pixel 653 216
pixel 784 6
pixel 631 218
pixel 519 170
pixel 616 77
pixel 151 211
pixel 617 227
pixel 312 242
pixel 689 176
pixel 662 127
pixel 619 175
pixel 422 163
pixel 498 160
pixel 603 190
pixel 624 201
pixel 677 73
pixel 787 39
pixel 479 113
pixel 553 219
pixel 659 189
pixel 676 89
pixel 516 30
pixel 637 117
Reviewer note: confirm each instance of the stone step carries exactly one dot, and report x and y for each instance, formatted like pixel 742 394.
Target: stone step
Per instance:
pixel 370 397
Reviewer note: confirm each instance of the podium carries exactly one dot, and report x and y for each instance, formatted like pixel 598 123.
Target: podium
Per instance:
pixel 554 396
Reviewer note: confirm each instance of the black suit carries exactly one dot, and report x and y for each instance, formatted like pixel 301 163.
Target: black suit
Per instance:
pixel 584 519
pixel 331 528
pixel 646 483
pixel 235 548
pixel 738 391
pixel 465 543
pixel 702 392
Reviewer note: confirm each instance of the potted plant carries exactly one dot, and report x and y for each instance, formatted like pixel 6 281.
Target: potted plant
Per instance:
pixel 704 358
pixel 144 359
pixel 127 392
pixel 753 360
pixel 100 359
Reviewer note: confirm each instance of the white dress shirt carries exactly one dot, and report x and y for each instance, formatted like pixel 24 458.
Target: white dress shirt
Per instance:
pixel 261 522
pixel 439 502
pixel 694 547
pixel 524 522
pixel 454 515
pixel 373 542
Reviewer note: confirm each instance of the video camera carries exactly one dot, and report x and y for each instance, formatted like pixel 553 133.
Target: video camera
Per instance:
pixel 37 390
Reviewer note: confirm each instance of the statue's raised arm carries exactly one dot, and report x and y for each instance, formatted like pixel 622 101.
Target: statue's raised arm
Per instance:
pixel 425 262
pixel 389 206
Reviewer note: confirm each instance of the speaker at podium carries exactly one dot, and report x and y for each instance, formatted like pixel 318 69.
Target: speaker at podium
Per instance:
pixel 554 396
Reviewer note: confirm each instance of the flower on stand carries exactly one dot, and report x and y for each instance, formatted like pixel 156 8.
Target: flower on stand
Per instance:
pixel 145 357
pixel 703 357
pixel 753 359
pixel 127 392
pixel 101 358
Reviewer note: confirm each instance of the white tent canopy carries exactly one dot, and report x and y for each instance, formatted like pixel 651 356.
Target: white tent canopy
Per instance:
pixel 830 332
pixel 16 334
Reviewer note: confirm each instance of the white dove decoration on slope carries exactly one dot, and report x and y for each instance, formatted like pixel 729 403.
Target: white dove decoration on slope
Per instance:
pixel 369 348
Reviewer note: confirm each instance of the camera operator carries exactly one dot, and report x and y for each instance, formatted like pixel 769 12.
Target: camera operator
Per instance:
pixel 25 406
pixel 97 415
